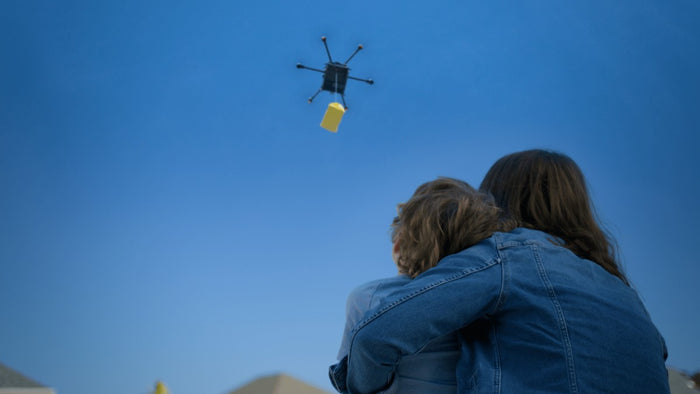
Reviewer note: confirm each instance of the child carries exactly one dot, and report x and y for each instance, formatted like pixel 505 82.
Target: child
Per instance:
pixel 442 217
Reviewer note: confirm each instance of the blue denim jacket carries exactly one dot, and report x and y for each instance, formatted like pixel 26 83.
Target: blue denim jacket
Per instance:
pixel 532 317
pixel 432 370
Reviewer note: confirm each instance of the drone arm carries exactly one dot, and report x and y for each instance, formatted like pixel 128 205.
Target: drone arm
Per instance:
pixel 369 81
pixel 359 47
pixel 327 51
pixel 314 96
pixel 308 68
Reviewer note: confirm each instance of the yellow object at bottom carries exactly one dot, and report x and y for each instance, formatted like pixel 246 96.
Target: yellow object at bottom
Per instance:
pixel 332 118
pixel 160 388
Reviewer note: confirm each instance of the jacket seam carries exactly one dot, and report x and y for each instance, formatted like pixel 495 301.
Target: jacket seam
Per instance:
pixel 563 330
pixel 494 329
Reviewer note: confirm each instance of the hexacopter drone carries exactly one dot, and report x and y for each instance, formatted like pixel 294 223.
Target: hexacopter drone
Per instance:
pixel 335 75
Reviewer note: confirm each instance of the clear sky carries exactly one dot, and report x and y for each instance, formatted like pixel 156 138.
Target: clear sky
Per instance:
pixel 170 208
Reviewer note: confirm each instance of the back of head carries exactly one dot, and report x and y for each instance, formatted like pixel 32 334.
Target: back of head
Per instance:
pixel 443 217
pixel 546 191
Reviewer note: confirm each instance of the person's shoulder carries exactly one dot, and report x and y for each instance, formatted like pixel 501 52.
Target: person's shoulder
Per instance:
pixel 369 288
pixel 488 249
pixel 483 253
pixel 522 235
pixel 368 295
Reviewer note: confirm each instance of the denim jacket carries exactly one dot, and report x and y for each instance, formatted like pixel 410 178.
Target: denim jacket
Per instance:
pixel 432 370
pixel 532 317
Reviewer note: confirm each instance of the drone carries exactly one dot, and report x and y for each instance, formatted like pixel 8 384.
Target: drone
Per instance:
pixel 335 75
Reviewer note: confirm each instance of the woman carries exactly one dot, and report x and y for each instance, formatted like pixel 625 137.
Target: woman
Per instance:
pixel 542 308
pixel 546 191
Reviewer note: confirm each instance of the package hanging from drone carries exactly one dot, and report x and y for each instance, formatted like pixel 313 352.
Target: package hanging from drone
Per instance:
pixel 332 118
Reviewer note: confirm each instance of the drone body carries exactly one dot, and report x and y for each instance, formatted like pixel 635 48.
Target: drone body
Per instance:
pixel 335 75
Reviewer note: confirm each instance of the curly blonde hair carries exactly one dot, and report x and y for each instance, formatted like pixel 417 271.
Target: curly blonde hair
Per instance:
pixel 443 217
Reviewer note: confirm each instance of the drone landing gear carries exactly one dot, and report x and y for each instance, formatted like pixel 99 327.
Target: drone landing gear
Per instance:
pixel 342 98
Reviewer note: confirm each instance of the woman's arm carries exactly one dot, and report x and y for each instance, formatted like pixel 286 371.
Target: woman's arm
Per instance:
pixel 462 288
pixel 363 299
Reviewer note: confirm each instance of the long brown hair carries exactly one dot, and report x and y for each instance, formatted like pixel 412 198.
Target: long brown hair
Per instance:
pixel 443 217
pixel 546 191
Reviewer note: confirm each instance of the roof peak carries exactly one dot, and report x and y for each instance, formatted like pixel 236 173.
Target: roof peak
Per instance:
pixel 277 383
pixel 14 379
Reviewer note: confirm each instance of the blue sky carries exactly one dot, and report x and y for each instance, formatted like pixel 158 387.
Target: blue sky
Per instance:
pixel 170 208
